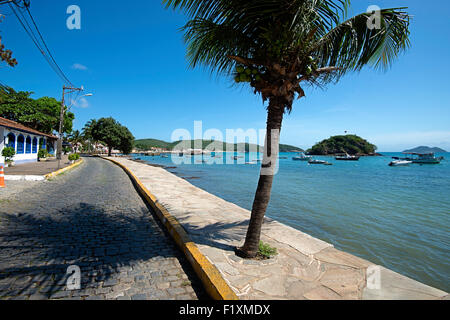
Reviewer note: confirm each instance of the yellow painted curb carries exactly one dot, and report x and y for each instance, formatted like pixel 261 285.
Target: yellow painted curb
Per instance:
pixel 56 173
pixel 211 278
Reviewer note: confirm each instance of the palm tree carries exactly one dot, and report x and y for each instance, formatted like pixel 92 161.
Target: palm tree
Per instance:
pixel 87 132
pixel 278 47
pixel 75 138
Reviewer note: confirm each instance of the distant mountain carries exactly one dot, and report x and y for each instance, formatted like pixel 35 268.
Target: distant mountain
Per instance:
pixel 147 144
pixel 424 149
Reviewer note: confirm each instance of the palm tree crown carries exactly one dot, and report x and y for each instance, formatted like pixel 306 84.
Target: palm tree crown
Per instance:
pixel 284 43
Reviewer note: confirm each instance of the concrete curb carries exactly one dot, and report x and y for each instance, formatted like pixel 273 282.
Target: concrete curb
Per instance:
pixel 211 278
pixel 56 173
pixel 24 178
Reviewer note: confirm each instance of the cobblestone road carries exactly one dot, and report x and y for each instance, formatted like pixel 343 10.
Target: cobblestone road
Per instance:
pixel 93 218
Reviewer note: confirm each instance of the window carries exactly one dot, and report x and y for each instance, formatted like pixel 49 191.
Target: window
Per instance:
pixel 28 145
pixel 35 146
pixel 20 144
pixel 50 148
pixel 42 144
pixel 11 141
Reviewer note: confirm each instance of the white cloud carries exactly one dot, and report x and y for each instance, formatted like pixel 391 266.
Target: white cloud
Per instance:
pixel 81 103
pixel 78 66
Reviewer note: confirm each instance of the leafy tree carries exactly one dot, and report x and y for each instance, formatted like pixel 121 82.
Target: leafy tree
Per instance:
pixel 351 144
pixel 277 47
pixel 42 114
pixel 127 141
pixel 6 54
pixel 113 134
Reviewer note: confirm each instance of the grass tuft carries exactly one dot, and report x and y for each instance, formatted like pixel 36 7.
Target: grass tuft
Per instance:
pixel 266 250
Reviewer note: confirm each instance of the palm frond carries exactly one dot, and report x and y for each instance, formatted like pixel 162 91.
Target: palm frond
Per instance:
pixel 211 44
pixel 227 27
pixel 352 44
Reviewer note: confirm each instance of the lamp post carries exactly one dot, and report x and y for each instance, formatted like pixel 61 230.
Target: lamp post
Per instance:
pixel 61 119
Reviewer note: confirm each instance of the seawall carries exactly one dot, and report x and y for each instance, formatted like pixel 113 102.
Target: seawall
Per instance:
pixel 305 267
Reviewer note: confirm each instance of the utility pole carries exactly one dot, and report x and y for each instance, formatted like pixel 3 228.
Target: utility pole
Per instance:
pixel 61 121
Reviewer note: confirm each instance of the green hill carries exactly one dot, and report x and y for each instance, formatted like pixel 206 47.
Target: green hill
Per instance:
pixel 351 144
pixel 147 144
pixel 288 148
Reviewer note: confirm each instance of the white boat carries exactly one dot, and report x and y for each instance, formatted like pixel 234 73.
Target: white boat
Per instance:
pixel 346 157
pixel 302 157
pixel 398 163
pixel 314 161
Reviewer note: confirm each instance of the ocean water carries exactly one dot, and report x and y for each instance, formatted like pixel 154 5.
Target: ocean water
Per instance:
pixel 398 217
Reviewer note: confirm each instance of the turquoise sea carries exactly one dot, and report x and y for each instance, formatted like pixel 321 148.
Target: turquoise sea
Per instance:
pixel 398 217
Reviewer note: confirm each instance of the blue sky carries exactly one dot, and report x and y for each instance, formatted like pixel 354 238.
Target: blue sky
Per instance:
pixel 131 56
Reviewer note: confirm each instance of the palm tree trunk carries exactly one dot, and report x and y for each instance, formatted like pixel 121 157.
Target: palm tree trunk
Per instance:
pixel 268 170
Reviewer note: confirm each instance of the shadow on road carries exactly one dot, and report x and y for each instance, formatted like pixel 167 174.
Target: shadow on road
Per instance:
pixel 36 250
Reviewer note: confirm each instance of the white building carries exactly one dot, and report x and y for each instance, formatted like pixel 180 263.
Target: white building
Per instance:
pixel 25 141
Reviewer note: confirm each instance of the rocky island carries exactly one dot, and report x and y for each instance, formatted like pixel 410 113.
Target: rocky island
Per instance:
pixel 350 144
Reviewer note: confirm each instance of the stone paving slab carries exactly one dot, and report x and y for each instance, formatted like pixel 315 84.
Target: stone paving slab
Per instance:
pixel 93 218
pixel 305 267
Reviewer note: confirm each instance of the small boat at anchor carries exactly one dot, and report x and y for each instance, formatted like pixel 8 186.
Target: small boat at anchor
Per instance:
pixel 302 157
pixel 400 163
pixel 323 162
pixel 424 158
pixel 346 157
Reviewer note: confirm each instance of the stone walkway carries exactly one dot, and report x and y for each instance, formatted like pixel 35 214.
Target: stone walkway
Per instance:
pixel 40 168
pixel 305 268
pixel 93 218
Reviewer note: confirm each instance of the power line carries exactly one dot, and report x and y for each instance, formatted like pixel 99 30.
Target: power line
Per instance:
pixel 48 50
pixel 29 30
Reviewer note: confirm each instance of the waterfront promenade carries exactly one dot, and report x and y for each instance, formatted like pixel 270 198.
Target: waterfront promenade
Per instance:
pixel 91 217
pixel 305 268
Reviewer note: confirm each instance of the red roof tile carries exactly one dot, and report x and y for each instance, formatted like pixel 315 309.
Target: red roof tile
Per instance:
pixel 20 127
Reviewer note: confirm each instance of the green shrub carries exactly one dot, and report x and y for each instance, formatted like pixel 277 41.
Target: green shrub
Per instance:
pixel 8 153
pixel 266 250
pixel 74 157
pixel 42 154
